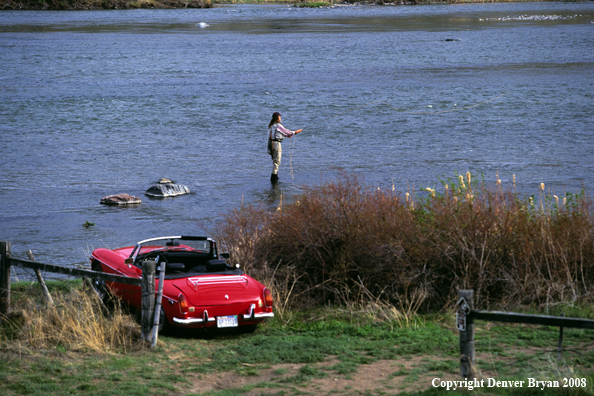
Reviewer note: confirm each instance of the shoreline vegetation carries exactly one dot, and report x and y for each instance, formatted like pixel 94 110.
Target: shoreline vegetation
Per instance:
pixel 71 5
pixel 364 282
pixel 344 242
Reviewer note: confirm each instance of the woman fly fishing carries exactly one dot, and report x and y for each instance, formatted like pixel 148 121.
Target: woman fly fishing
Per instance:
pixel 276 134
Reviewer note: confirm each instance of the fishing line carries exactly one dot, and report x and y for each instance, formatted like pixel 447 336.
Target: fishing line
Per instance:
pixel 319 122
pixel 390 106
pixel 344 112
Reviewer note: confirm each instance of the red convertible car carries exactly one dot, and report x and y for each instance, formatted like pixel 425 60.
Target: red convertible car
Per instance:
pixel 200 289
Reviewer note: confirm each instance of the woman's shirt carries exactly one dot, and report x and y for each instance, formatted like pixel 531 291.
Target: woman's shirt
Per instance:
pixel 278 132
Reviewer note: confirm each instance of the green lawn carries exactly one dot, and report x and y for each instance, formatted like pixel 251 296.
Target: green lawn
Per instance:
pixel 327 351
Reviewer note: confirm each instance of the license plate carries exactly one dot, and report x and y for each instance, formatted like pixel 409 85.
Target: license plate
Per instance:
pixel 227 321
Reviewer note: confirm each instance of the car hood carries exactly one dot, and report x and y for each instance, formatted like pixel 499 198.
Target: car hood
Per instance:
pixel 218 290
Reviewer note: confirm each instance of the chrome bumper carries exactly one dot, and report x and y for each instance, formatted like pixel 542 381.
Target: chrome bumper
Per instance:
pixel 251 315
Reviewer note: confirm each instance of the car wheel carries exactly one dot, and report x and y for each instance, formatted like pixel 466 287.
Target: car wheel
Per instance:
pixel 99 285
pixel 248 328
pixel 164 326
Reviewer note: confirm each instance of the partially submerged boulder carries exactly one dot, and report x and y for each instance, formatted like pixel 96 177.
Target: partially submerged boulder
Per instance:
pixel 120 199
pixel 163 190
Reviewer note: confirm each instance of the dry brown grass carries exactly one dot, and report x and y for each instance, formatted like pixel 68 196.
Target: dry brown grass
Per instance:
pixel 76 323
pixel 341 235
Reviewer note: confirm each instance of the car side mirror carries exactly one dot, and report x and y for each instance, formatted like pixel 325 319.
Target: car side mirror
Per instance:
pixel 129 261
pixel 225 255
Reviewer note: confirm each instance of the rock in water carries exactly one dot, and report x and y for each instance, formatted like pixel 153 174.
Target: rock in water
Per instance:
pixel 120 199
pixel 167 190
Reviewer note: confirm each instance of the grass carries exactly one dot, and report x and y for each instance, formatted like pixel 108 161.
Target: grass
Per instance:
pixel 318 347
pixel 74 323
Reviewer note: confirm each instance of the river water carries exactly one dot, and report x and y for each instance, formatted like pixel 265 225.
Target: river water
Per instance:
pixel 94 103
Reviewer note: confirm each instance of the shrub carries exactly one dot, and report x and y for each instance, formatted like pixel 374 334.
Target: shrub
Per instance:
pixel 342 241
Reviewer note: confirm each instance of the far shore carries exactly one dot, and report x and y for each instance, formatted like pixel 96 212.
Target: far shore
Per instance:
pixel 71 5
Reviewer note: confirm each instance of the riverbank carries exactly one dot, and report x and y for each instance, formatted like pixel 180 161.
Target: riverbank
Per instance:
pixel 72 5
pixel 347 350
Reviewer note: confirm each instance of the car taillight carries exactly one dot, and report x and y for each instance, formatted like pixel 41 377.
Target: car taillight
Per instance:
pixel 267 298
pixel 183 304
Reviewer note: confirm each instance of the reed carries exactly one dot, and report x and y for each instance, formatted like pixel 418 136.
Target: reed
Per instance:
pixel 537 250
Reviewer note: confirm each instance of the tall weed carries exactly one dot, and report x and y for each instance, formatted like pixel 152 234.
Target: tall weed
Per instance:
pixel 75 323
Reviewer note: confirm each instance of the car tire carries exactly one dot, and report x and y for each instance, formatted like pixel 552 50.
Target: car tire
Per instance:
pixel 248 329
pixel 99 285
pixel 164 326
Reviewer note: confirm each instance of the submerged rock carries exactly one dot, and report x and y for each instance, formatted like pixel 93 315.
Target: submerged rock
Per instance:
pixel 167 190
pixel 120 199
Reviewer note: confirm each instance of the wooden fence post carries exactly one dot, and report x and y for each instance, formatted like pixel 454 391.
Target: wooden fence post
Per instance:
pixel 4 278
pixel 46 293
pixel 465 324
pixel 148 298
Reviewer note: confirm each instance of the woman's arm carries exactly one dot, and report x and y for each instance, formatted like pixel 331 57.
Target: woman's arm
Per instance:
pixel 285 131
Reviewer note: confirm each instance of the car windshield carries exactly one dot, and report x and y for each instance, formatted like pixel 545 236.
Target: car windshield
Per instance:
pixel 204 246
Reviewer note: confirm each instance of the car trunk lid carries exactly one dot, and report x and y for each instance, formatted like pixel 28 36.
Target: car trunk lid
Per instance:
pixel 215 290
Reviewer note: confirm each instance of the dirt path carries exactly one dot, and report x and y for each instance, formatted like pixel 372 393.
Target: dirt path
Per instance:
pixel 381 377
pixel 410 374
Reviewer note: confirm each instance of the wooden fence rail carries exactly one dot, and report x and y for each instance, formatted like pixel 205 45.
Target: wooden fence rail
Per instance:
pixel 74 272
pixel 466 315
pixel 6 262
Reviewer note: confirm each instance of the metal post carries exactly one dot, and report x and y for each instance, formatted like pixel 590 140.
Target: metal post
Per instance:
pixel 157 314
pixel 4 278
pixel 148 298
pixel 466 327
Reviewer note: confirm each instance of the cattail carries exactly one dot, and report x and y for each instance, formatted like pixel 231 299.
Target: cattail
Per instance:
pixel 468 177
pixel 462 185
pixel 407 194
pixel 556 200
pixel 542 186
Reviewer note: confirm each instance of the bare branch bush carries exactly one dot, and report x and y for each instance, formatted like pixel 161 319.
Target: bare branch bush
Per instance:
pixel 335 237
